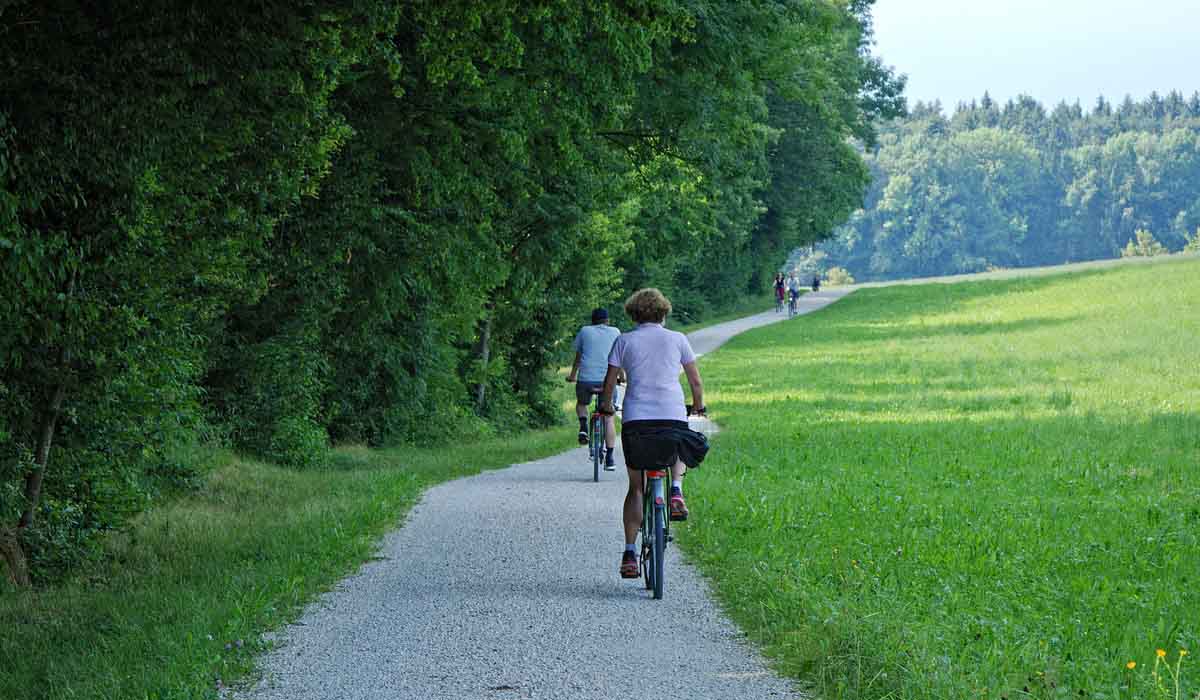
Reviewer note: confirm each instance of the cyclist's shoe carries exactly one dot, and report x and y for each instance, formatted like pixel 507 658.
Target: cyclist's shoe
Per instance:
pixel 679 509
pixel 583 438
pixel 609 464
pixel 629 565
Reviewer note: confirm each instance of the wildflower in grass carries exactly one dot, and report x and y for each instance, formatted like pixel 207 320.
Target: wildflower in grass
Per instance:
pixel 1131 665
pixel 1167 685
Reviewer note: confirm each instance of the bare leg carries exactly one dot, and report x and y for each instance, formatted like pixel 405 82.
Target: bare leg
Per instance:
pixel 581 410
pixel 610 432
pixel 678 470
pixel 679 510
pixel 633 505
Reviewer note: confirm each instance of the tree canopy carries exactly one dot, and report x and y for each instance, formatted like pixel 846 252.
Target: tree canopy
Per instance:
pixel 1016 185
pixel 289 225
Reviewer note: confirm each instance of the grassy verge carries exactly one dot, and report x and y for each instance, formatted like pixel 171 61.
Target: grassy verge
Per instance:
pixel 982 490
pixel 194 584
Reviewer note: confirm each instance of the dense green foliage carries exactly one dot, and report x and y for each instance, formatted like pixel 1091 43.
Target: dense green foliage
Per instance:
pixel 1014 186
pixel 291 225
pixel 983 489
pixel 147 157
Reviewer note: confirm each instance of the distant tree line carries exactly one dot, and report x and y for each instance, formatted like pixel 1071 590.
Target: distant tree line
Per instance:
pixel 282 226
pixel 1016 185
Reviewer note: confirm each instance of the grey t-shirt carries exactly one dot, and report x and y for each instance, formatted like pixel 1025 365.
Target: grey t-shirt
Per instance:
pixel 652 358
pixel 593 343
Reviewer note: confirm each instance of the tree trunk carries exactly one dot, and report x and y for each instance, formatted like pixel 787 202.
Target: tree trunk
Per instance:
pixel 33 480
pixel 482 351
pixel 10 539
pixel 14 557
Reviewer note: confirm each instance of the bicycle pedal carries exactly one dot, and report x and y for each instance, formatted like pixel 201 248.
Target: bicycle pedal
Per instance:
pixel 670 538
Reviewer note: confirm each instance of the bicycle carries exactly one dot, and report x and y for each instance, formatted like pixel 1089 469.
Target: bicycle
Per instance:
pixel 656 526
pixel 778 303
pixel 596 436
pixel 792 296
pixel 596 432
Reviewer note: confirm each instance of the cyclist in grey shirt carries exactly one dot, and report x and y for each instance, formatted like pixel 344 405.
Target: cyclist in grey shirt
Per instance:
pixel 592 345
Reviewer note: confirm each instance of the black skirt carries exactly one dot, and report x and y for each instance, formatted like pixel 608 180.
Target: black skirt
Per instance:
pixel 658 444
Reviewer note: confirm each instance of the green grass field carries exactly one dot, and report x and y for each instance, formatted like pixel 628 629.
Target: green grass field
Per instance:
pixel 980 490
pixel 193 585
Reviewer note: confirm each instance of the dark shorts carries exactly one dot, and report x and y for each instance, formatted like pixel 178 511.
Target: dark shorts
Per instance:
pixel 584 393
pixel 658 444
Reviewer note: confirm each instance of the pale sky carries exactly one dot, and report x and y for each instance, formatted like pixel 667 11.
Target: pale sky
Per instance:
pixel 1054 50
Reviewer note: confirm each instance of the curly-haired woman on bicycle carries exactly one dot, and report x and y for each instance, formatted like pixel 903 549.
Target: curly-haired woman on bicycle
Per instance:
pixel 654 432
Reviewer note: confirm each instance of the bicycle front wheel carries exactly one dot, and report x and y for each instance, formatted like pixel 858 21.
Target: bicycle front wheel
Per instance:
pixel 597 446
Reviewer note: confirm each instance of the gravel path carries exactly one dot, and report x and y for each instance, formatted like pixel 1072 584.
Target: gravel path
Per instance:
pixel 504 585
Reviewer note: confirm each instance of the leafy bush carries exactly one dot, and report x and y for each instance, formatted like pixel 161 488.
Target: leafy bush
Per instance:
pixel 276 413
pixel 1193 243
pixel 838 276
pixel 1145 247
pixel 426 409
pixel 297 441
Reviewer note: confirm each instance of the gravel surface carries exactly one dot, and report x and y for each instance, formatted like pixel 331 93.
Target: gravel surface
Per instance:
pixel 504 585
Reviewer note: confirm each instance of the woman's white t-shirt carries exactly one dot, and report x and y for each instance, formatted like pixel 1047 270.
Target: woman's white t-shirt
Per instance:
pixel 652 358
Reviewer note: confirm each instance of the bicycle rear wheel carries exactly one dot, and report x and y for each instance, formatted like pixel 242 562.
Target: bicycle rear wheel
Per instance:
pixel 660 549
pixel 648 538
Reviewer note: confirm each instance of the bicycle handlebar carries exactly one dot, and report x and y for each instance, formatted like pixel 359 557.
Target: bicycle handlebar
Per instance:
pixel 691 411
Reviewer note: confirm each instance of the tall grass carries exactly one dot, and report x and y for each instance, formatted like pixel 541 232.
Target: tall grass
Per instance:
pixel 989 489
pixel 181 607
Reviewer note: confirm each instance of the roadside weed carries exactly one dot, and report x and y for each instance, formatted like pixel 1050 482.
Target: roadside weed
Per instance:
pixel 1163 681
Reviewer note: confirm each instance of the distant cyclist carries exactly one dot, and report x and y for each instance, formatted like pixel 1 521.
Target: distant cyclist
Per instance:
pixel 816 283
pixel 779 290
pixel 793 287
pixel 592 345
pixel 654 432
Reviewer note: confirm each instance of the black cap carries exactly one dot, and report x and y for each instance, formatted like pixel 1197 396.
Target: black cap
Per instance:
pixel 599 315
